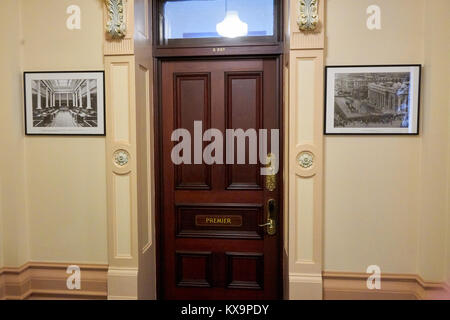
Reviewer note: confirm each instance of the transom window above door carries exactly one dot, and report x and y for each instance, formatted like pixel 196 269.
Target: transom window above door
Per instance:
pixel 203 22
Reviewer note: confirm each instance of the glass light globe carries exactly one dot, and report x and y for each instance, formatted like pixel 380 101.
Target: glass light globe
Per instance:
pixel 232 26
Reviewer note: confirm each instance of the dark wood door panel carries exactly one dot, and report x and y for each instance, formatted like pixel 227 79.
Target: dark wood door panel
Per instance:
pixel 193 268
pixel 227 221
pixel 219 196
pixel 245 270
pixel 211 244
pixel 192 102
pixel 244 110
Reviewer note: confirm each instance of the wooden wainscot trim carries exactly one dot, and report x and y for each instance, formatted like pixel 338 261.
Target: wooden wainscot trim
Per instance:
pixel 16 283
pixel 352 286
pixel 2 285
pixel 47 280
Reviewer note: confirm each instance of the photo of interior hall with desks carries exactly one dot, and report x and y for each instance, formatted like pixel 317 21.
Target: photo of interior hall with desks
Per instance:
pixel 64 103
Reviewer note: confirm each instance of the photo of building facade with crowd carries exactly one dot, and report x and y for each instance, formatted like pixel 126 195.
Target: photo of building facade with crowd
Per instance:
pixel 373 100
pixel 58 103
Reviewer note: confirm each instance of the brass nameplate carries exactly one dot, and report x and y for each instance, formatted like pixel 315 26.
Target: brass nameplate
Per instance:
pixel 218 221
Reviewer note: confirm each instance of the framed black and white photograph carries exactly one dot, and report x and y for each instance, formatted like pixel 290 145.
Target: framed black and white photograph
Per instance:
pixel 372 99
pixel 64 103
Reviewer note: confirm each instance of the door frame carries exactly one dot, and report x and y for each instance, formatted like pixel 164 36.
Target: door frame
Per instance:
pixel 132 273
pixel 158 168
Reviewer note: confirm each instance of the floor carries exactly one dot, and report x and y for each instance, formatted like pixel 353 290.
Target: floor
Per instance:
pixel 63 119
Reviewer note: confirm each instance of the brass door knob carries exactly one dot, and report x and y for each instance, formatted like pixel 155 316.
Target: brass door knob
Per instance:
pixel 271 225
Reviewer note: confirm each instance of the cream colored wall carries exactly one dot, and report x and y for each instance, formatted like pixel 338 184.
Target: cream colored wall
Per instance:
pixel 448 195
pixel 433 187
pixel 385 197
pixel 13 216
pixel 66 183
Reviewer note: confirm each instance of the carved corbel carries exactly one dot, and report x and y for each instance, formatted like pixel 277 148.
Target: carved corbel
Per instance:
pixel 116 26
pixel 309 16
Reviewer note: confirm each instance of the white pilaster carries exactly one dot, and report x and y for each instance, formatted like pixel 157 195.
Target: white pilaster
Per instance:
pixel 305 136
pixel 123 244
pixel 122 283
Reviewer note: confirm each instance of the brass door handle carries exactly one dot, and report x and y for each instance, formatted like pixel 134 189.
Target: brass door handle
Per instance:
pixel 265 224
pixel 271 224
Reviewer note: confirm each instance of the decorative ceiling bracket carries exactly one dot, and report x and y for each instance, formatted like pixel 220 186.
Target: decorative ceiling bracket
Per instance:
pixel 116 26
pixel 309 16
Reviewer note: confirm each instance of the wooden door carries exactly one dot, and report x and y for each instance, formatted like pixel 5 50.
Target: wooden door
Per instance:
pixel 211 244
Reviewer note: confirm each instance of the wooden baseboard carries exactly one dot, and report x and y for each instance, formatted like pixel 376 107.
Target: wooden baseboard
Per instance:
pixel 36 280
pixel 352 286
pixel 2 286
pixel 41 280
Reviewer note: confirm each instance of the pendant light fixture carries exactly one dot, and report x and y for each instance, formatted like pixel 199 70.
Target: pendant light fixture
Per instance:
pixel 232 26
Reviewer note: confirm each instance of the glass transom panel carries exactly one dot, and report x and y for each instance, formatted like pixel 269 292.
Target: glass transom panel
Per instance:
pixel 196 19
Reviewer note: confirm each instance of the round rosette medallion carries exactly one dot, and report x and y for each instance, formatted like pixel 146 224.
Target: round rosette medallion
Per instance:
pixel 305 159
pixel 121 158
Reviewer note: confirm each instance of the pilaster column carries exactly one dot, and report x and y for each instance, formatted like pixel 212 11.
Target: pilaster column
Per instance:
pixel 304 115
pixel 60 99
pixel 46 98
pixel 120 78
